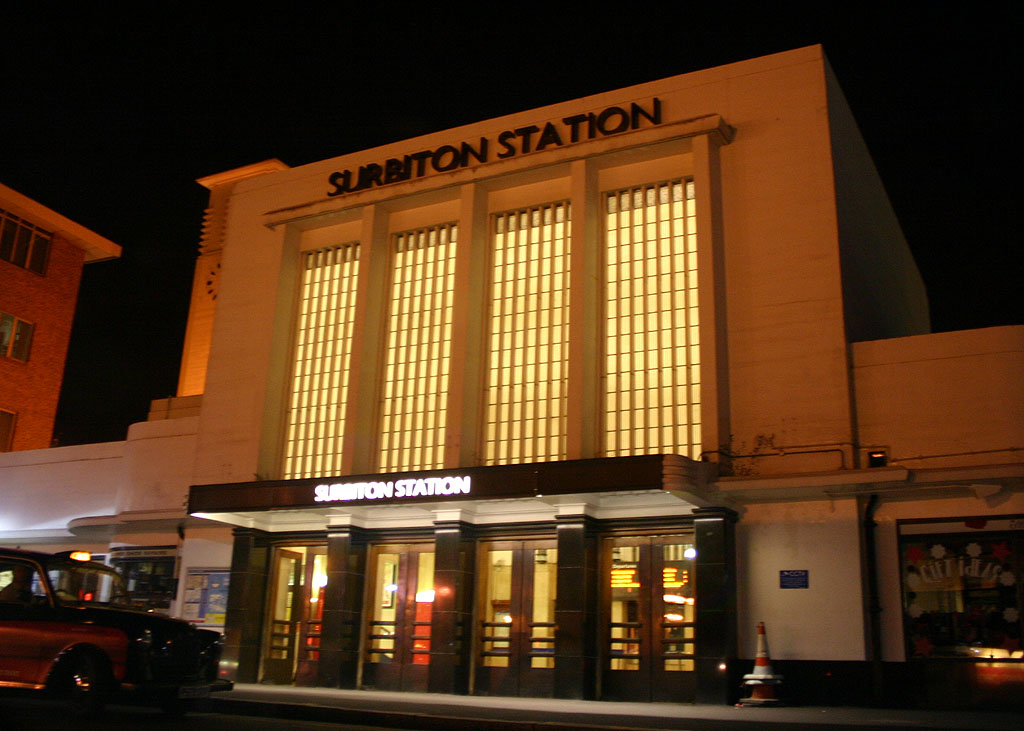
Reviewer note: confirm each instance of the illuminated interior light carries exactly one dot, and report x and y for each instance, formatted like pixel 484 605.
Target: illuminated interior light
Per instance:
pixel 673 617
pixel 507 619
pixel 652 334
pixel 425 597
pixel 391 588
pixel 690 553
pixel 320 362
pixel 418 349
pixel 527 368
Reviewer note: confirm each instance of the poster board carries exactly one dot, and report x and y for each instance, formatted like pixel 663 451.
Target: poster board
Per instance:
pixel 206 596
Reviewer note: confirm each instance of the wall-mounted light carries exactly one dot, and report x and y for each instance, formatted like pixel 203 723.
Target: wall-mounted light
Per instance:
pixel 877 458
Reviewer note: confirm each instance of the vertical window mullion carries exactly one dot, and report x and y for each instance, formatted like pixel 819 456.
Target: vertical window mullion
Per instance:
pixel 419 333
pixel 651 355
pixel 316 408
pixel 527 365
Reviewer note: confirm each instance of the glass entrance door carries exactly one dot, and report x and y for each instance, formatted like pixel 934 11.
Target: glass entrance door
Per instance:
pixel 291 644
pixel 399 611
pixel 648 618
pixel 516 612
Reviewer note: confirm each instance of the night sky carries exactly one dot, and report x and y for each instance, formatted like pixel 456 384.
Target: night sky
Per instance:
pixel 109 119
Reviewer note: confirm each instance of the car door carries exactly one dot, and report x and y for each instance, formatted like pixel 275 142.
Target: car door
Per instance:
pixel 21 598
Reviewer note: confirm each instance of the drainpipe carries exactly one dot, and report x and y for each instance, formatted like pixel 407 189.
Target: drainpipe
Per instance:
pixel 872 601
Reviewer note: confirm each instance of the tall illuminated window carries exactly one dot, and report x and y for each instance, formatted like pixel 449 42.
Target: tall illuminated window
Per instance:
pixel 529 332
pixel 319 389
pixel 419 336
pixel 652 348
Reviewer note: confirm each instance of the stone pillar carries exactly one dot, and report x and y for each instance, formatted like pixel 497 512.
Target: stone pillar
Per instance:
pixel 343 601
pixel 576 608
pixel 452 616
pixel 243 629
pixel 715 530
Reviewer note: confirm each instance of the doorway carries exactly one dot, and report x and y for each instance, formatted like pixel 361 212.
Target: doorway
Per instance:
pixel 648 618
pixel 291 646
pixel 516 612
pixel 399 609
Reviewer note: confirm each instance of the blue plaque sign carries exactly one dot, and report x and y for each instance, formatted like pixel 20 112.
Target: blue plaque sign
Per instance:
pixel 794 579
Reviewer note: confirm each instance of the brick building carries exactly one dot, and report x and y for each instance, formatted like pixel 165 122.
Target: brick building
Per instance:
pixel 41 258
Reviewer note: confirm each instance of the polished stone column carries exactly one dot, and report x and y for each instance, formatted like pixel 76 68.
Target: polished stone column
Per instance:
pixel 246 591
pixel 343 601
pixel 576 608
pixel 715 530
pixel 452 615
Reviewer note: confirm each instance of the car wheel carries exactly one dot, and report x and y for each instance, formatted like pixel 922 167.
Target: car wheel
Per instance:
pixel 86 686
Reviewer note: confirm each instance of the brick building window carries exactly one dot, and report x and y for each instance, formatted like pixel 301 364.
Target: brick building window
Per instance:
pixel 15 337
pixel 22 244
pixel 6 430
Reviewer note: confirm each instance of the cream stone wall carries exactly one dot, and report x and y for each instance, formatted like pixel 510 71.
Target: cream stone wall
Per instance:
pixel 786 349
pixel 822 622
pixel 883 293
pixel 944 399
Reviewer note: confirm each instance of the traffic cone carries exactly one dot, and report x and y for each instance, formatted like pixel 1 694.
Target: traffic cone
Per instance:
pixel 761 683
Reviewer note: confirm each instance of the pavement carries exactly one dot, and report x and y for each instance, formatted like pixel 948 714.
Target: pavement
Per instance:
pixel 433 711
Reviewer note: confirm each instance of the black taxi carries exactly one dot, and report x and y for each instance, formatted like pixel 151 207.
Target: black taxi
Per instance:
pixel 67 627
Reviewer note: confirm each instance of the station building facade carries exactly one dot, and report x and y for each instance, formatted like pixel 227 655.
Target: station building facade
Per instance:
pixel 563 403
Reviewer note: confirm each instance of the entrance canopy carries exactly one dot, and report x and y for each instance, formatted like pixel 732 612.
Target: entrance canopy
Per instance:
pixel 616 487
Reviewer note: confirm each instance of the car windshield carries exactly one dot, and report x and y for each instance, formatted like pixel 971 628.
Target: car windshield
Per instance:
pixel 79 584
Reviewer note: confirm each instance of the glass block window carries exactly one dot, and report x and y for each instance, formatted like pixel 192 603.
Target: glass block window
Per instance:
pixel 319 388
pixel 418 350
pixel 962 594
pixel 529 333
pixel 23 244
pixel 652 347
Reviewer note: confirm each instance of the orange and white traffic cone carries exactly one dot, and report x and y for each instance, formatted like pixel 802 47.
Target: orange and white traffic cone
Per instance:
pixel 761 683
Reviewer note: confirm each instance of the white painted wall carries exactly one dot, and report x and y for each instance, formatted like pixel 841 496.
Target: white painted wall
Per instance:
pixel 158 461
pixel 44 489
pixel 822 622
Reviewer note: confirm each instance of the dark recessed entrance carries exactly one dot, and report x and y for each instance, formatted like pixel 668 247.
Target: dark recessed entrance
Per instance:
pixel 648 618
pixel 291 644
pixel 516 618
pixel 399 606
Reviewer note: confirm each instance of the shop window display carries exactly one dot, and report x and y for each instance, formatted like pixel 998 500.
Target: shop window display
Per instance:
pixel 962 595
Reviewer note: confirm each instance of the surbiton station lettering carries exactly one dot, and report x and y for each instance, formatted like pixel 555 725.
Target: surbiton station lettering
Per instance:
pixel 509 143
pixel 421 487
